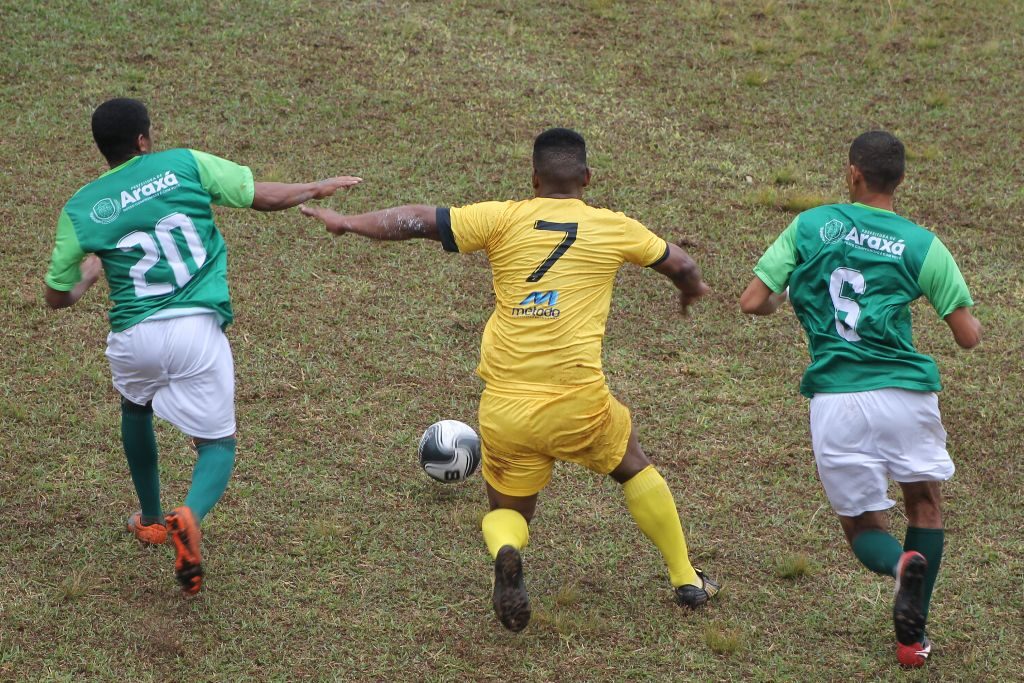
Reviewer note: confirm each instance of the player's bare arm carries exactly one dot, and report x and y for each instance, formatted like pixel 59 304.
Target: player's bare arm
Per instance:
pixel 685 275
pixel 92 268
pixel 278 196
pixel 965 327
pixel 758 299
pixel 398 223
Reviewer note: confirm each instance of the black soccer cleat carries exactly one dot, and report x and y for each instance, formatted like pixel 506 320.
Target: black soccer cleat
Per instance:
pixel 908 607
pixel 511 603
pixel 696 597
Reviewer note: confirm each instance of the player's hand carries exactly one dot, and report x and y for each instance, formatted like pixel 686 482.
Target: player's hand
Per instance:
pixel 328 186
pixel 690 297
pixel 331 219
pixel 91 269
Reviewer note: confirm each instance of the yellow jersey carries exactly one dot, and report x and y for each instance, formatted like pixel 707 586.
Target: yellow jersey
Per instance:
pixel 553 263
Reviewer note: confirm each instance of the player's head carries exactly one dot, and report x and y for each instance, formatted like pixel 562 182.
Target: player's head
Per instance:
pixel 120 128
pixel 877 162
pixel 560 161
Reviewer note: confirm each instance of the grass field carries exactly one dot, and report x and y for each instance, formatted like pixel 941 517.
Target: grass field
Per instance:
pixel 332 556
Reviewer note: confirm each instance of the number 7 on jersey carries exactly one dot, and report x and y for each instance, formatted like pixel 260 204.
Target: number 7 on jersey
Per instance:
pixel 570 236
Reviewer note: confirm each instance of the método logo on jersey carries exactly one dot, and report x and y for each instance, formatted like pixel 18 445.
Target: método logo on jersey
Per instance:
pixel 538 305
pixel 105 211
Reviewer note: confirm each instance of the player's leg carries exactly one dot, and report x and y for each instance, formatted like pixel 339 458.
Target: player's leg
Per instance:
pixel 920 464
pixel 506 532
pixel 214 463
pixel 926 536
pixel 925 532
pixel 507 523
pixel 139 442
pixel 857 438
pixel 652 506
pixel 137 373
pixel 919 461
pixel 199 400
pixel 514 474
pixel 872 544
pixel 879 551
pixel 855 477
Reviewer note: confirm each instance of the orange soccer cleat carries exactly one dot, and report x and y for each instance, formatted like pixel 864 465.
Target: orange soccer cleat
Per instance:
pixel 185 535
pixel 149 534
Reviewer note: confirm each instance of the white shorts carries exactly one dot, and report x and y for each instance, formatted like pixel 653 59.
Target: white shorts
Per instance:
pixel 863 439
pixel 184 366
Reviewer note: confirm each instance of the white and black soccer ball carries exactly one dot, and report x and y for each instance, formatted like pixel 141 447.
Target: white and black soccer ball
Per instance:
pixel 449 451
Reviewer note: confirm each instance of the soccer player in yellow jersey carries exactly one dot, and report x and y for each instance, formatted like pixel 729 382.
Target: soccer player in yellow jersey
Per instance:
pixel 554 260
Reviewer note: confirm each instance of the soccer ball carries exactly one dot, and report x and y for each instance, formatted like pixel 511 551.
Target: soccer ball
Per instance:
pixel 449 451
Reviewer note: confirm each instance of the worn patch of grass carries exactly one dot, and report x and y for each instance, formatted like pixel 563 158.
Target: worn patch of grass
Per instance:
pixel 722 639
pixel 333 557
pixel 797 201
pixel 792 200
pixel 785 176
pixel 938 99
pixel 765 197
pixel 793 566
pixel 923 152
pixel 755 78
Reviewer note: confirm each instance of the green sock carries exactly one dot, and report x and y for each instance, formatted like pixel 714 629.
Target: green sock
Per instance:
pixel 878 551
pixel 210 476
pixel 928 542
pixel 140 450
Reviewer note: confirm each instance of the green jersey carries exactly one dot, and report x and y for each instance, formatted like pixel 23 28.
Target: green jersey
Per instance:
pixel 852 272
pixel 150 222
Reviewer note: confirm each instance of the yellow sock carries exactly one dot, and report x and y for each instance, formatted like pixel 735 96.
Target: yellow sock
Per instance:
pixel 652 506
pixel 503 527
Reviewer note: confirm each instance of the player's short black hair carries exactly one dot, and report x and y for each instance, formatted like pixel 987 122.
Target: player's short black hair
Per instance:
pixel 117 124
pixel 880 156
pixel 560 156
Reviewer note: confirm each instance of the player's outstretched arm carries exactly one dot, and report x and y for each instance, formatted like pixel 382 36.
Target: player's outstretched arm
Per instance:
pixel 278 196
pixel 965 327
pixel 685 275
pixel 758 299
pixel 398 223
pixel 91 269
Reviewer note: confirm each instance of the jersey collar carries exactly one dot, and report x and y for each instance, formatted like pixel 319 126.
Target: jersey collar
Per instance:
pixel 874 208
pixel 124 165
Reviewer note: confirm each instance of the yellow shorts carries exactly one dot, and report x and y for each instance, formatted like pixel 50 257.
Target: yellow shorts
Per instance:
pixel 525 428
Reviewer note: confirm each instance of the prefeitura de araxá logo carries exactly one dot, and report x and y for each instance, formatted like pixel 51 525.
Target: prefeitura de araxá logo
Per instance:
pixel 105 211
pixel 833 231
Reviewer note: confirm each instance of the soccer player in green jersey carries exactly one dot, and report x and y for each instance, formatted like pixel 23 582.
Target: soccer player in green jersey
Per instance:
pixel 148 224
pixel 852 271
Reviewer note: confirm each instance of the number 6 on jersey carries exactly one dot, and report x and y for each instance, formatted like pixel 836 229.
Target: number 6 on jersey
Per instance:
pixel 846 326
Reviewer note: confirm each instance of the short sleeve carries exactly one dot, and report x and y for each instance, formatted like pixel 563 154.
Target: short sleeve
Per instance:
pixel 641 246
pixel 469 228
pixel 777 264
pixel 65 262
pixel 941 281
pixel 228 183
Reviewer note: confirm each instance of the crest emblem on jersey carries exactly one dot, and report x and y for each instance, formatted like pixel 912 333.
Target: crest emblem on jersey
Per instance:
pixel 105 211
pixel 833 231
